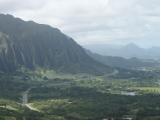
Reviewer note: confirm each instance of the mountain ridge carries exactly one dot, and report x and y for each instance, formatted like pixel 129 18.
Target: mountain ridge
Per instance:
pixel 126 51
pixel 124 63
pixel 30 44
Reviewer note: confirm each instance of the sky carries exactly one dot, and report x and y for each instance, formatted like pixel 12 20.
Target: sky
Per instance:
pixel 94 21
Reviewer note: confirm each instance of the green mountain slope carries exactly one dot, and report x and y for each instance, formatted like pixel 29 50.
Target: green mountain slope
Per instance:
pixel 120 62
pixel 34 45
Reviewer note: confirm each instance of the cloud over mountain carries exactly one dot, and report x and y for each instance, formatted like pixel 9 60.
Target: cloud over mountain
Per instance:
pixel 92 21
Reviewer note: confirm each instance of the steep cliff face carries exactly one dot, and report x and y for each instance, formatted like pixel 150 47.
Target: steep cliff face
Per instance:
pixel 30 45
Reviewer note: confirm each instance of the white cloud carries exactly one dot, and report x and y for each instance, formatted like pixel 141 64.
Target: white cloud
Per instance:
pixel 93 21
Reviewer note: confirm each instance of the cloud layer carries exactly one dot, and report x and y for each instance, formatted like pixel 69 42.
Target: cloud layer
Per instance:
pixel 94 21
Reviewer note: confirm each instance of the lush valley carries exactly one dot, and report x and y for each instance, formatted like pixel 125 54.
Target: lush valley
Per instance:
pixel 79 97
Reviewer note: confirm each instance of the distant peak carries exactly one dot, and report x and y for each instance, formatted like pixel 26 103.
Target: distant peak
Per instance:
pixel 132 45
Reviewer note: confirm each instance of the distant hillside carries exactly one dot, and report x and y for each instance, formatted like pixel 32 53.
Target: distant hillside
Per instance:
pixel 128 51
pixel 131 63
pixel 34 45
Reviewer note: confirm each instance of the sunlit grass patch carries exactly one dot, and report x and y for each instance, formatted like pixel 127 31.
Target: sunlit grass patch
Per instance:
pixel 53 103
pixel 148 90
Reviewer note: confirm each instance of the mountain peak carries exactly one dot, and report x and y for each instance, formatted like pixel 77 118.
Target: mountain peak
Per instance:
pixel 34 45
pixel 132 45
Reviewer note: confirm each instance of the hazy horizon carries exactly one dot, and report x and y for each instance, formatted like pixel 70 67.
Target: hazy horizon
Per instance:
pixel 121 45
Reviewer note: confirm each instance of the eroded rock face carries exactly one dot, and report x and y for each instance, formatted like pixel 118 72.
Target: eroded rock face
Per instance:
pixel 3 43
pixel 7 58
pixel 30 44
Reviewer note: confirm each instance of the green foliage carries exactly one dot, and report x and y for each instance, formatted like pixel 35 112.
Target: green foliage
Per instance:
pixel 57 96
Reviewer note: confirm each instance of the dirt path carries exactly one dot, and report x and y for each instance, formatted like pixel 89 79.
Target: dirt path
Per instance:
pixel 25 99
